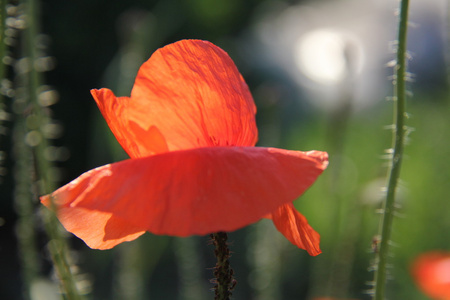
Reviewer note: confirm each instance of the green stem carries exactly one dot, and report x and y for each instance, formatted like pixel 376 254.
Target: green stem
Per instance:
pixel 447 45
pixel 399 137
pixel 223 272
pixel 3 113
pixel 3 4
pixel 24 207
pixel 190 266
pixel 57 245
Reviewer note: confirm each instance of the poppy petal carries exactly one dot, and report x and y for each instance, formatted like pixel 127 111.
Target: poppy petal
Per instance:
pixel 193 95
pixel 128 120
pixel 431 271
pixel 99 230
pixel 196 97
pixel 294 226
pixel 196 191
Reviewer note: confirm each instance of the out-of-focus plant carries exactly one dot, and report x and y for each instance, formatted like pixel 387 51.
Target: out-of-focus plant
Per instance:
pixel 33 127
pixel 431 272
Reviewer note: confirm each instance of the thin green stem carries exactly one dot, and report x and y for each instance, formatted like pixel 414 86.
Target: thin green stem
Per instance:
pixel 24 207
pixel 3 114
pixel 190 267
pixel 397 155
pixel 223 272
pixel 57 245
pixel 3 4
pixel 447 45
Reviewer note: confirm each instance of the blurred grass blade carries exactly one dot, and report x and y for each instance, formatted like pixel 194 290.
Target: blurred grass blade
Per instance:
pixel 190 266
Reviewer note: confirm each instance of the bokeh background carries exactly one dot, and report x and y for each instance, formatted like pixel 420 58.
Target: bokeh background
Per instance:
pixel 321 77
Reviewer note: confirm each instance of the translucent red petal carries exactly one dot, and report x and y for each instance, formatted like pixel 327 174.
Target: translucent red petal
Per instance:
pixel 99 230
pixel 128 120
pixel 294 226
pixel 196 191
pixel 194 96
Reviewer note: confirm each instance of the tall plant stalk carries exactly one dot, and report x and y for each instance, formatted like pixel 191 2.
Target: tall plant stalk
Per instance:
pixel 3 4
pixel 31 78
pixel 224 281
pixel 397 156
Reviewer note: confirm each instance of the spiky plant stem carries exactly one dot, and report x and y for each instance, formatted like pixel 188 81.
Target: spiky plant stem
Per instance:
pixel 57 245
pixel 3 4
pixel 224 281
pixel 397 155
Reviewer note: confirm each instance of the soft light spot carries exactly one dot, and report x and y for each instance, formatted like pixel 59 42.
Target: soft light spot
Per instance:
pixel 47 98
pixel 33 138
pixel 327 56
pixel 443 271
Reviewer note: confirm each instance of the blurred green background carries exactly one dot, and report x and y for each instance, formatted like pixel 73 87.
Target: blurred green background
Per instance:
pixel 320 76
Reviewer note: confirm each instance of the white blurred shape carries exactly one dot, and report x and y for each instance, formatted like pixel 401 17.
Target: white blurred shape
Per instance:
pixel 321 55
pixel 332 49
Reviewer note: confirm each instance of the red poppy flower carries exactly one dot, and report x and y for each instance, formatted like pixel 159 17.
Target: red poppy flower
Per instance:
pixel 189 128
pixel 432 274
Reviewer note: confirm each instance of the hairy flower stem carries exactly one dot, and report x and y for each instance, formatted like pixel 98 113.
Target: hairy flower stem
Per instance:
pixel 3 114
pixel 3 4
pixel 398 141
pixel 224 281
pixel 31 78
